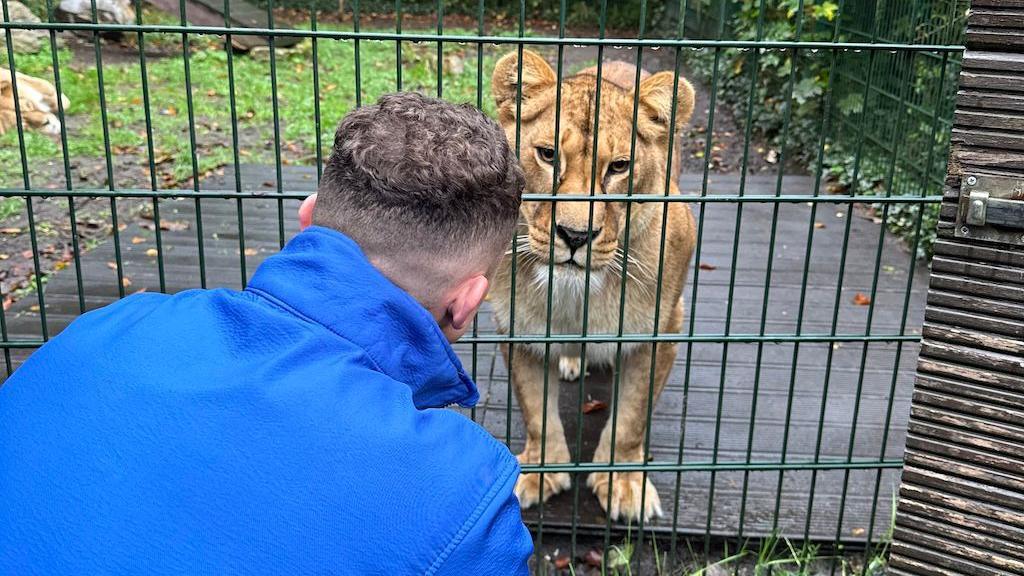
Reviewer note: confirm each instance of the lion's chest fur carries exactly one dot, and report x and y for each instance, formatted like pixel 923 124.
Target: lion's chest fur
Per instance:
pixel 569 294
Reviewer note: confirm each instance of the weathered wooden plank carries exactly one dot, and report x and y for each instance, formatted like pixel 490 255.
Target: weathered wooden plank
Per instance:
pixel 979 270
pixel 964 446
pixel 1001 255
pixel 985 561
pixel 961 425
pixel 987 476
pixel 1007 414
pixel 987 138
pixel 974 60
pixel 981 288
pixel 998 308
pixel 976 540
pixel 1005 4
pixel 1010 365
pixel 976 491
pixel 989 101
pixel 972 522
pixel 984 393
pixel 997 121
pixel 984 81
pixel 998 38
pixel 993 321
pixel 1010 518
pixel 956 564
pixel 996 18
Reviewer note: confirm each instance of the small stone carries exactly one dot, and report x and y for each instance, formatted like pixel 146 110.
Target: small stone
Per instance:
pixel 107 12
pixel 23 41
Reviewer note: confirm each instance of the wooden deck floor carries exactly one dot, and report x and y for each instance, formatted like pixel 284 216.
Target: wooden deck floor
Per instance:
pixel 849 371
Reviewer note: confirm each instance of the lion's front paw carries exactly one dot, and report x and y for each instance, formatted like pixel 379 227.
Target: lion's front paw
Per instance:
pixel 528 487
pixel 569 367
pixel 627 489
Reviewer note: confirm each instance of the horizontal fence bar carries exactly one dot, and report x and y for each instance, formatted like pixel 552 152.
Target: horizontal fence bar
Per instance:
pixel 585 467
pixel 173 194
pixel 635 339
pixel 532 40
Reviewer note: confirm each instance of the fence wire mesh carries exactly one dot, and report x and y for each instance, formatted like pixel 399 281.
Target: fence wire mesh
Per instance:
pixel 813 167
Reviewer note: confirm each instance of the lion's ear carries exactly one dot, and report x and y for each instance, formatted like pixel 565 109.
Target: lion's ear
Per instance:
pixel 537 75
pixel 656 103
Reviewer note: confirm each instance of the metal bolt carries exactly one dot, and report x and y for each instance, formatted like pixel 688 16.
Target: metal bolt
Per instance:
pixel 964 230
pixel 971 180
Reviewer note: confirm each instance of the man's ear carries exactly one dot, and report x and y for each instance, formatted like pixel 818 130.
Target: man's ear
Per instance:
pixel 306 212
pixel 466 299
pixel 537 76
pixel 656 104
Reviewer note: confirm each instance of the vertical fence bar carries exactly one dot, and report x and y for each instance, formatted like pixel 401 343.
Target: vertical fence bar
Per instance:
pixel 316 93
pixel 150 155
pixel 233 111
pixel 555 172
pixel 275 106
pixel 602 21
pixel 696 268
pixel 770 263
pixel 66 157
pixel 186 54
pixel 755 58
pixel 617 371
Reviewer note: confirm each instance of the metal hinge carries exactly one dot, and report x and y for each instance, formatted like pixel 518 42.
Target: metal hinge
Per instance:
pixel 991 209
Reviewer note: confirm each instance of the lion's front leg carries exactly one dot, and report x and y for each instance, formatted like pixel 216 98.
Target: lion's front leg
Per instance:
pixel 628 488
pixel 544 432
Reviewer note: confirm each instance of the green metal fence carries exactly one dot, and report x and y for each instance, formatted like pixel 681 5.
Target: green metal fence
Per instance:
pixel 862 95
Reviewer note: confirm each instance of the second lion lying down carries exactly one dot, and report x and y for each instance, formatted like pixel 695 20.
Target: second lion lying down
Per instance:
pixel 652 232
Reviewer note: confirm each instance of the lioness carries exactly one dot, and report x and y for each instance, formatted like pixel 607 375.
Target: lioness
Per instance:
pixel 37 99
pixel 608 259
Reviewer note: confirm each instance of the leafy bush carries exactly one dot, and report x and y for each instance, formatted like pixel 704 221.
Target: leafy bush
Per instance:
pixel 873 117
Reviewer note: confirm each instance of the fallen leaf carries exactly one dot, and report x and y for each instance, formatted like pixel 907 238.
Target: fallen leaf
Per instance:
pixel 4 256
pixel 152 252
pixel 819 225
pixel 562 563
pixel 138 239
pixel 858 531
pixel 126 281
pixel 251 251
pixel 706 266
pixel 7 302
pixel 594 406
pixel 594 558
pixel 860 299
pixel 34 308
pixel 10 230
pixel 140 290
pixel 26 254
pixel 211 92
pixel 121 227
pixel 112 265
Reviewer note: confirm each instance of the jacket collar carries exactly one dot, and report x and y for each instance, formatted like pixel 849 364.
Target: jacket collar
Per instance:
pixel 324 276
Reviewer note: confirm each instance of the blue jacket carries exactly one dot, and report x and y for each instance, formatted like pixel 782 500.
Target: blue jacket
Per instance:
pixel 290 428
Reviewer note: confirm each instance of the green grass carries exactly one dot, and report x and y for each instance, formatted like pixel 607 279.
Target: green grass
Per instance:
pixel 212 118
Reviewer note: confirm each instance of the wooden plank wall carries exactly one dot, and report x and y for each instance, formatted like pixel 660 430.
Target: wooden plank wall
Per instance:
pixel 961 502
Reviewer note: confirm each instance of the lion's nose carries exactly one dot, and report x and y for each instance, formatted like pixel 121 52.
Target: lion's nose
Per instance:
pixel 574 239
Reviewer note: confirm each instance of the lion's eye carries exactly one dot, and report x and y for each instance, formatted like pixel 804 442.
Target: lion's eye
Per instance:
pixel 546 154
pixel 618 167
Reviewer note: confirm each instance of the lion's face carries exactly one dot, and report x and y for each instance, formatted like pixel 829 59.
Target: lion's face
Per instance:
pixel 580 171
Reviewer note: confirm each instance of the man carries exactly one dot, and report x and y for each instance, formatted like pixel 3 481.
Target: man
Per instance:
pixel 292 427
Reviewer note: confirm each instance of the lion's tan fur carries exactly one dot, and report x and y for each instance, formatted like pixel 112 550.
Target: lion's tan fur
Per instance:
pixel 649 222
pixel 37 100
